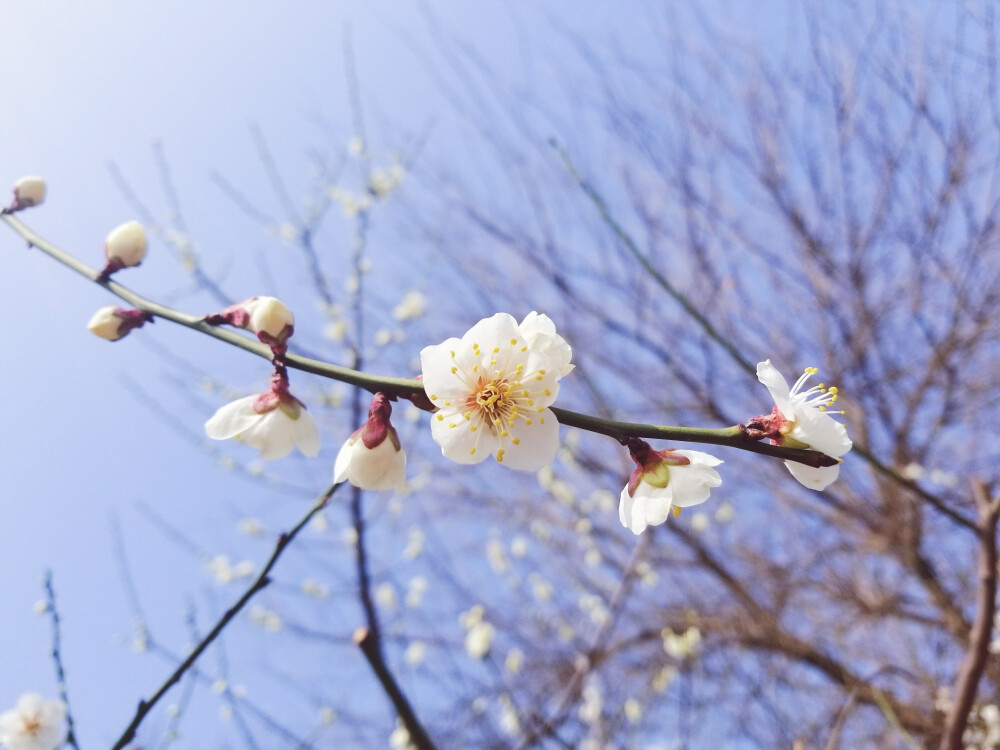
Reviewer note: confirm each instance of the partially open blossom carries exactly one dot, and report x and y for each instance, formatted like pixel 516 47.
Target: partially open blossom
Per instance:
pixel 124 247
pixel 113 323
pixel 274 422
pixel 28 191
pixel 268 318
pixel 33 724
pixel 800 419
pixel 664 480
pixel 493 388
pixel 372 457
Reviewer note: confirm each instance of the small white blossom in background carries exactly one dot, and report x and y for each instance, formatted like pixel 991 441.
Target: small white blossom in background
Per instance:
pixel 268 619
pixel 415 592
pixel 725 513
pixel 514 661
pixel 415 653
pixel 124 247
pixel 518 546
pixel 413 305
pixel 356 146
pixel 912 471
pixel 593 701
pixel 250 526
pixel 385 595
pixel 510 723
pixel 327 715
pixel 632 710
pixel 220 686
pixel 493 388
pixel 400 738
pixel 540 588
pixel 662 481
pixel 662 679
pixel 681 645
pixel 383 337
pixel 800 420
pixel 479 633
pixel 274 422
pixel 700 522
pixel 384 181
pixel 28 191
pixel 314 589
pixel 496 556
pixel 372 458
pixel 414 544
pixel 33 724
pixel 41 607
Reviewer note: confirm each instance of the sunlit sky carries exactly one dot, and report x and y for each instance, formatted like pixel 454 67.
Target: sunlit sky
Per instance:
pixel 92 83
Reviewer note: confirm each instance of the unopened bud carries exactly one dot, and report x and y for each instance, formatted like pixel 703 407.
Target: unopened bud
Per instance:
pixel 125 247
pixel 269 315
pixel 28 191
pixel 113 323
pixel 373 458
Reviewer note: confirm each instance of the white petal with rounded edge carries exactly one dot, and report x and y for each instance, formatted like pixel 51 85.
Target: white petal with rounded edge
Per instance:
pixel 458 442
pixel 378 468
pixel 343 461
pixel 693 483
pixel 273 435
pixel 435 366
pixel 777 386
pixel 815 479
pixel 306 434
pixel 821 432
pixel 539 443
pixel 540 334
pixel 232 419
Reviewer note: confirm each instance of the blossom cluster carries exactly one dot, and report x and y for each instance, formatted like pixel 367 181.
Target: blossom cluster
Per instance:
pixel 490 391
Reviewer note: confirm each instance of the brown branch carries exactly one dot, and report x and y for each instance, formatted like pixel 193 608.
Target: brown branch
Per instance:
pixel 262 580
pixel 971 671
pixel 370 647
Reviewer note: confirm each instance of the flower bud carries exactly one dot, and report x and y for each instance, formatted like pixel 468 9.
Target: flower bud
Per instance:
pixel 124 247
pixel 28 191
pixel 113 323
pixel 372 458
pixel 270 316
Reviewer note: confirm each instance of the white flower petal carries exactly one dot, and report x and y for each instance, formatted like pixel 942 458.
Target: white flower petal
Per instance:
pixel 306 434
pixel 537 445
pixel 777 386
pixel 814 479
pixel 343 462
pixel 232 419
pixel 460 443
pixel 273 435
pixel 821 432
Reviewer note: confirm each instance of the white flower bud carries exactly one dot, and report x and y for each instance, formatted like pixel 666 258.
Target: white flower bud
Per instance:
pixel 29 191
pixel 125 246
pixel 268 315
pixel 114 323
pixel 106 324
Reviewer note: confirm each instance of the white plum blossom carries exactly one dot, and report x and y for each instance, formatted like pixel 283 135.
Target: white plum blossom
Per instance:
pixel 124 247
pixel 493 388
pixel 113 323
pixel 33 724
pixel 413 305
pixel 274 422
pixel 28 191
pixel 268 318
pixel 372 458
pixel 665 480
pixel 800 420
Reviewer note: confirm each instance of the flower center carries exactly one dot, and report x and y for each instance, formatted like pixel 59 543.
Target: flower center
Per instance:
pixel 32 725
pixel 819 396
pixel 493 398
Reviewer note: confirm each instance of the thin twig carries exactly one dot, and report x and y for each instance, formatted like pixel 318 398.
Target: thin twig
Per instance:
pixel 50 602
pixel 262 580
pixel 405 387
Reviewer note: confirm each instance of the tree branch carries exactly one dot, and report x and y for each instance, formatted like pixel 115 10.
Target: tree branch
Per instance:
pixel 50 605
pixel 731 437
pixel 262 580
pixel 971 671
